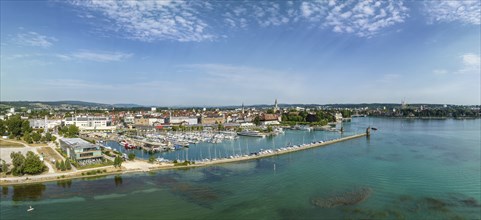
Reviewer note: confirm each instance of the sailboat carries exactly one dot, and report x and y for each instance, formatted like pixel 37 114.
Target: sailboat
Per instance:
pixel 30 209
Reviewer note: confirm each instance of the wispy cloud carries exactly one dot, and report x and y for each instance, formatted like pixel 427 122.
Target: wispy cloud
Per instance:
pixel 471 63
pixel 81 55
pixel 34 39
pixel 152 20
pixel 364 18
pixel 466 11
pixel 192 20
pixel 97 56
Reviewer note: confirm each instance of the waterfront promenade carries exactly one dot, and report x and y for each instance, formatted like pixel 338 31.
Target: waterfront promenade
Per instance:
pixel 144 166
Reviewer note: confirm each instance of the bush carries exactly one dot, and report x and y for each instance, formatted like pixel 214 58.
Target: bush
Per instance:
pixel 151 159
pixel 131 156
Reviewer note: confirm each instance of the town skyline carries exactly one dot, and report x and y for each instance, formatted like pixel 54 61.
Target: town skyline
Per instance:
pixel 211 54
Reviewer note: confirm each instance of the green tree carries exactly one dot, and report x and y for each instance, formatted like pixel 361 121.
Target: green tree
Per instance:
pixel 131 156
pixel 68 166
pixel 151 159
pixel 4 166
pixel 18 162
pixel 14 126
pixel 27 138
pixel 73 131
pixel 57 165
pixel 220 127
pixel 62 165
pixel 36 137
pixel 26 126
pixel 270 111
pixel 117 161
pixel 269 129
pixel 53 138
pixel 257 120
pixel 3 127
pixel 33 164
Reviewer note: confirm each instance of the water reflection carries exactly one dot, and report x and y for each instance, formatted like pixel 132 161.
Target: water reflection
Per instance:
pixel 118 180
pixel 28 192
pixel 64 183
pixel 5 191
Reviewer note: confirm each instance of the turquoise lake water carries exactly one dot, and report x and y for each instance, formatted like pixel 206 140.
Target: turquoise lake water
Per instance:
pixel 407 169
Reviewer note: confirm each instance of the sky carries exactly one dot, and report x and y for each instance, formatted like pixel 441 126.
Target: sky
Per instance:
pixel 204 53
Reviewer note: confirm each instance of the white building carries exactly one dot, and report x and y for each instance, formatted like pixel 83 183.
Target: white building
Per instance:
pixel 44 123
pixel 129 119
pixel 153 121
pixel 90 122
pixel 188 120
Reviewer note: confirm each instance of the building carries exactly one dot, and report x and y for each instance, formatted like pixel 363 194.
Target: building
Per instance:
pixel 44 123
pixel 79 150
pixel 212 119
pixel 270 119
pixel 182 120
pixel 129 119
pixel 90 122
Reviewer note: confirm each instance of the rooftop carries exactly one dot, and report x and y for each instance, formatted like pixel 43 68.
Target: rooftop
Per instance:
pixel 78 143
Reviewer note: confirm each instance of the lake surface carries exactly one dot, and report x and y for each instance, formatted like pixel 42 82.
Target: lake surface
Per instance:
pixel 407 169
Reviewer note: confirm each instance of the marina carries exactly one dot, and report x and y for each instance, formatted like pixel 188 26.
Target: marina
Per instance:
pixel 303 184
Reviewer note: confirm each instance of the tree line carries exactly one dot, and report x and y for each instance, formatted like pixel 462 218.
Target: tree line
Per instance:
pixel 29 164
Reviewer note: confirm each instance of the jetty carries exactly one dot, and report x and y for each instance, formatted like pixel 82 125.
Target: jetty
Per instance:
pixel 271 153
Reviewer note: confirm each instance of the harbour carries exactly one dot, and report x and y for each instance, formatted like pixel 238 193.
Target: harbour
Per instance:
pixel 404 170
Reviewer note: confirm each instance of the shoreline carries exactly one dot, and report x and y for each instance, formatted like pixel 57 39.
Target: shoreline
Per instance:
pixel 154 167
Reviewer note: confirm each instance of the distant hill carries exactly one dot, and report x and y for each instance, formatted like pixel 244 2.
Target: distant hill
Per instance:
pixel 53 104
pixel 127 106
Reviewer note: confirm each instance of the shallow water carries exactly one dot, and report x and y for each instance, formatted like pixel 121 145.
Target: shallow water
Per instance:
pixel 414 169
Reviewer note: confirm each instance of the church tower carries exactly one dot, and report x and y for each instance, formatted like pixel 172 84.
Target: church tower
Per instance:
pixel 275 106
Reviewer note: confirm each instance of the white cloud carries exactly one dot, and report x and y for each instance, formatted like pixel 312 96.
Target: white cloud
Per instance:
pixel 363 18
pixel 34 39
pixel 471 59
pixel 152 20
pixel 81 55
pixel 95 56
pixel 468 12
pixel 471 63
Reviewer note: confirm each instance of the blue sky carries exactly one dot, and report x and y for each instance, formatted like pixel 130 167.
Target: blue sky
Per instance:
pixel 225 53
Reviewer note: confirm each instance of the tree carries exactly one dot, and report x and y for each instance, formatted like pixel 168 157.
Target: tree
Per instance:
pixel 73 131
pixel 62 166
pixel 26 126
pixel 36 137
pixel 151 159
pixel 57 164
pixel 257 120
pixel 117 161
pixel 68 166
pixel 27 138
pixel 18 161
pixel 48 136
pixel 270 111
pixel 131 156
pixel 4 166
pixel 269 129
pixel 14 126
pixel 53 138
pixel 33 164
pixel 3 127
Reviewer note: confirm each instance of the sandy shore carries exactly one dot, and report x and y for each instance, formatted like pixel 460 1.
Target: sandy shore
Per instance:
pixel 143 166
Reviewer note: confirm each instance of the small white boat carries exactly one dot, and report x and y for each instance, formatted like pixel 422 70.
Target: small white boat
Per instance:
pixel 30 209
